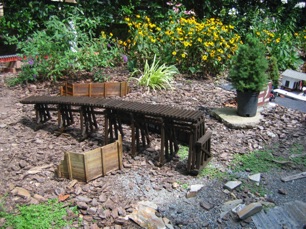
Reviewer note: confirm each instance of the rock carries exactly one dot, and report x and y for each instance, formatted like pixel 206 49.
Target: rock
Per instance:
pixel 249 210
pixel 84 199
pixel 229 205
pixel 18 191
pixel 104 214
pixel 144 215
pixel 102 198
pixel 282 191
pixel 39 198
pixel 238 208
pixel 92 211
pixel 231 185
pixel 38 169
pixel 82 205
pixel 22 164
pixel 194 189
pixel 114 213
pixel 255 178
pixel 206 205
pixel 72 183
pixel 94 202
pixel 175 185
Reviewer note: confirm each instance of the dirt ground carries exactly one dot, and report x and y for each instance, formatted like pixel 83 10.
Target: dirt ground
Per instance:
pixel 106 201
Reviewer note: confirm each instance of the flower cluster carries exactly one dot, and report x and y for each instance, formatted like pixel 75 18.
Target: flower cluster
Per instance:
pixel 190 44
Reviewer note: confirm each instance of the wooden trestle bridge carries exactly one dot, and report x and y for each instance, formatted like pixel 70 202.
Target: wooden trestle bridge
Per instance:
pixel 174 125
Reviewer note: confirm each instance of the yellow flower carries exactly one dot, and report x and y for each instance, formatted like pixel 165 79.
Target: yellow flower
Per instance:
pixel 111 34
pixel 204 57
pixel 183 55
pixel 174 53
pixel 138 16
pixel 258 33
pixel 219 58
pixel 186 43
pixel 277 40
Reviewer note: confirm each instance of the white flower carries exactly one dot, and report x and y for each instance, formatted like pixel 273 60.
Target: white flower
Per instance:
pixel 300 5
pixel 284 1
pixel 233 11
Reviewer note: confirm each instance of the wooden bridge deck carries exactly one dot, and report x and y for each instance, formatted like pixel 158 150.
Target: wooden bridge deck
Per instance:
pixel 173 124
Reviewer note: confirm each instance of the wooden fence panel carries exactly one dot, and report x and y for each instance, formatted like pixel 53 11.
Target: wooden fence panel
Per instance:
pixel 92 164
pixel 107 89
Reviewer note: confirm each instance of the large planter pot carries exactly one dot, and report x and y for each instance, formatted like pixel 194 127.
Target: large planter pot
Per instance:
pixel 247 103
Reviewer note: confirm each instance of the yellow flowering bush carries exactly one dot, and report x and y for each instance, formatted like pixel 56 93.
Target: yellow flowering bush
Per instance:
pixel 192 45
pixel 282 45
pixel 301 37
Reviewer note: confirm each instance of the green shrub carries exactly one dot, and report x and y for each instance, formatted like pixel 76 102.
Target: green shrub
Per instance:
pixel 192 45
pixel 63 49
pixel 273 71
pixel 249 65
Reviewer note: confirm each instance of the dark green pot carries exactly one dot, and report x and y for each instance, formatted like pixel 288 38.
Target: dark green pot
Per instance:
pixel 247 103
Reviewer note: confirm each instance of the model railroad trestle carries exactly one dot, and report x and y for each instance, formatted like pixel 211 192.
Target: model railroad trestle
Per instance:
pixel 174 125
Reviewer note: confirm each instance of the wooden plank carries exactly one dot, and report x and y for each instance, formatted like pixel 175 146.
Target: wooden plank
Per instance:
pixel 294 177
pixel 110 157
pixel 69 165
pixel 97 90
pixel 77 166
pixel 112 89
pixel 103 162
pixel 119 151
pixel 93 164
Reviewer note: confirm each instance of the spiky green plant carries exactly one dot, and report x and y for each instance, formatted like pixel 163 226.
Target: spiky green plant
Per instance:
pixel 156 77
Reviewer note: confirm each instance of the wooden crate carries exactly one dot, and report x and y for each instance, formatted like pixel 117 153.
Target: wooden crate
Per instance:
pixel 107 89
pixel 90 165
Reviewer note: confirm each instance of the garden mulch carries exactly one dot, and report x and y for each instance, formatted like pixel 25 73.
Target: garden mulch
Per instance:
pixel 29 156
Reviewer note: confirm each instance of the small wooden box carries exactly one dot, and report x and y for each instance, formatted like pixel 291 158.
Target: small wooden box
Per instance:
pixel 107 89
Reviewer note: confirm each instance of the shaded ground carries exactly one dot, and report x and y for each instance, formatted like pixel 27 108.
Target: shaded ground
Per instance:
pixel 106 200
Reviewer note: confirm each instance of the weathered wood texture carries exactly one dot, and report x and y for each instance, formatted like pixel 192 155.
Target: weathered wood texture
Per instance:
pixel 107 89
pixel 92 164
pixel 174 125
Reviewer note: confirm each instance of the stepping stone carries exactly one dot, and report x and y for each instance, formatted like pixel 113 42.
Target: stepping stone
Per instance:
pixel 249 210
pixel 255 178
pixel 231 185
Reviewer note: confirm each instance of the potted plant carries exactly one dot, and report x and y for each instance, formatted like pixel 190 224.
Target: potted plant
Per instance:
pixel 248 75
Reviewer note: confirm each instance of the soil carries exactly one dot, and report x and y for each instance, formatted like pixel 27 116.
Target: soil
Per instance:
pixel 105 201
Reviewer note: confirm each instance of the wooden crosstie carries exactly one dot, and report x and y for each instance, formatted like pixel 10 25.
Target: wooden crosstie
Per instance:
pixel 173 124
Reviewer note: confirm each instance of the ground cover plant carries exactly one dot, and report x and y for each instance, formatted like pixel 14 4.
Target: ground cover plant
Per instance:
pixel 50 214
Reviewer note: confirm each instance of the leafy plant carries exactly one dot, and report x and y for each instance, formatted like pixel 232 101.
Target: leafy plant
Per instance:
pixel 156 76
pixel 273 71
pixel 258 161
pixel 252 187
pixel 46 215
pixel 249 65
pixel 63 49
pixel 193 45
pixel 100 77
pixel 183 152
pixel 212 172
pixel 296 151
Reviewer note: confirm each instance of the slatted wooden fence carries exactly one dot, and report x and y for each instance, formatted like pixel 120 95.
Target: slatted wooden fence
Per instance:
pixel 92 164
pixel 106 89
